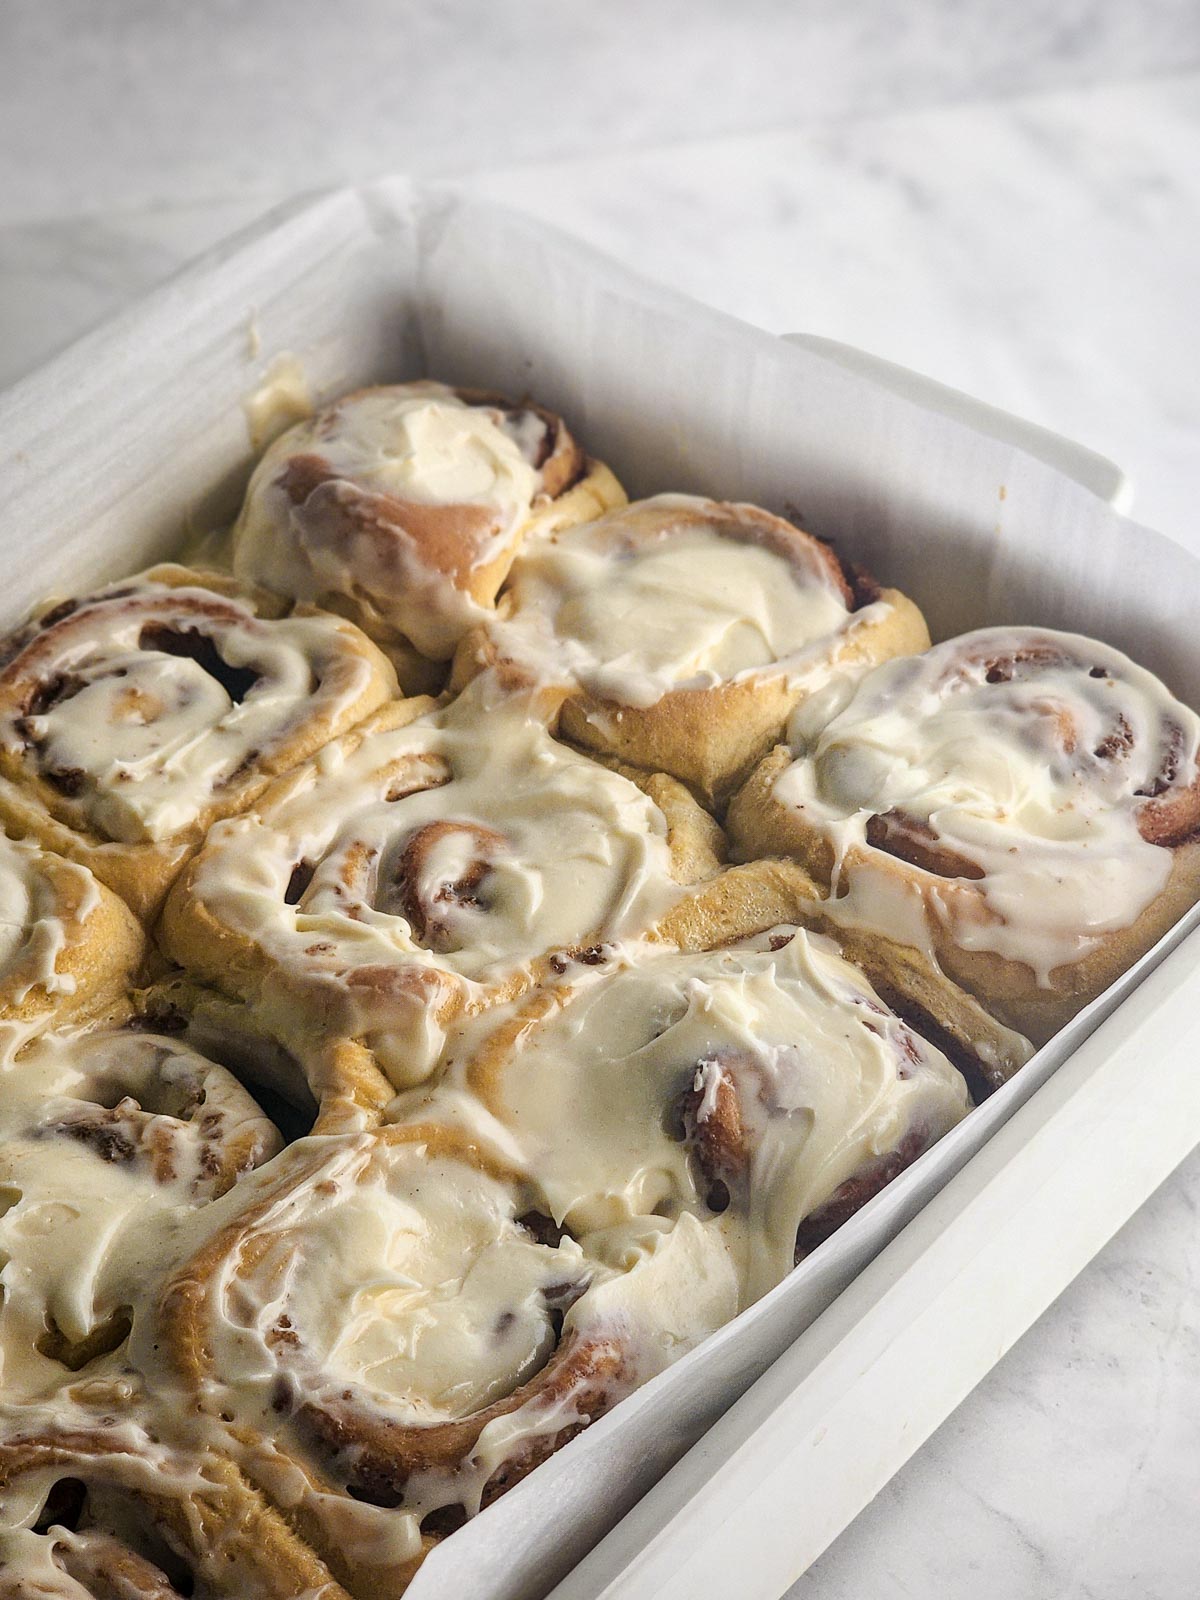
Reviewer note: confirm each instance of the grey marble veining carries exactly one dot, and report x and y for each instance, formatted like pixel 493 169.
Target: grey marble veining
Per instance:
pixel 136 101
pixel 1042 252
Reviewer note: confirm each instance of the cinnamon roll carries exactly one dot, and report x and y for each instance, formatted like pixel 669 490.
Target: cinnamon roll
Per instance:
pixel 683 632
pixel 131 719
pixel 111 1512
pixel 69 948
pixel 451 1340
pixel 403 507
pixel 763 1088
pixel 106 1140
pixel 1020 804
pixel 415 870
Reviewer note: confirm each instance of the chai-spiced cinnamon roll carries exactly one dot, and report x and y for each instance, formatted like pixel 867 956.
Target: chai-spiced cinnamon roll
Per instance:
pixel 107 1139
pixel 132 718
pixel 416 870
pixel 106 1509
pixel 69 948
pixel 403 507
pixel 683 632
pixel 763 1087
pixel 1023 805
pixel 395 1333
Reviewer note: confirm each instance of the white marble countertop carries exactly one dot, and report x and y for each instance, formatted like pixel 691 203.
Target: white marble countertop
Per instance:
pixel 1035 242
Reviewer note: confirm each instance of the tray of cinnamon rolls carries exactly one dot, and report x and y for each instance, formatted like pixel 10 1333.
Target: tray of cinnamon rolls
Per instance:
pixel 495 940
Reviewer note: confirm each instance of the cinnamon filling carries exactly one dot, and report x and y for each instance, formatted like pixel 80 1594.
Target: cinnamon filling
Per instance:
pixel 101 1340
pixel 916 842
pixel 337 514
pixel 716 1135
pixel 429 900
pixel 192 645
pixel 375 1457
pixel 852 1195
pixel 1166 818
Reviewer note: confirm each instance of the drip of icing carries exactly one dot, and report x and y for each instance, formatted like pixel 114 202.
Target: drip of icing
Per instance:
pixel 33 934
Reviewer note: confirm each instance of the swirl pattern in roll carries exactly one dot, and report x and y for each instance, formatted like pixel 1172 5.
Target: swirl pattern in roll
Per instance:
pixel 106 1139
pixel 110 1509
pixel 763 1085
pixel 1022 803
pixel 451 1339
pixel 417 869
pixel 132 718
pixel 684 631
pixel 404 506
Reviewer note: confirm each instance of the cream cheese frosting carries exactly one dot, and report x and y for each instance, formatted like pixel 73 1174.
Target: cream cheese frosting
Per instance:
pixel 596 1097
pixel 107 1140
pixel 437 1304
pixel 1036 759
pixel 436 850
pixel 393 454
pixel 155 697
pixel 672 592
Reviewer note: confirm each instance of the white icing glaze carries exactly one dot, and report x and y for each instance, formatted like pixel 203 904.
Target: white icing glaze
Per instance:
pixel 430 1299
pixel 826 1080
pixel 107 1140
pixel 1038 783
pixel 385 450
pixel 35 925
pixel 573 853
pixel 150 736
pixel 433 1303
pixel 668 593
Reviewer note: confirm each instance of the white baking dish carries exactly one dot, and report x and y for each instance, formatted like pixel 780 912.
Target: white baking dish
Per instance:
pixel 139 431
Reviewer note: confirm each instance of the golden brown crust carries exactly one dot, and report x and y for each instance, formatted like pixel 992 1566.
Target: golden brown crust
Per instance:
pixel 758 895
pixel 711 738
pixel 102 948
pixel 760 825
pixel 231 1541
